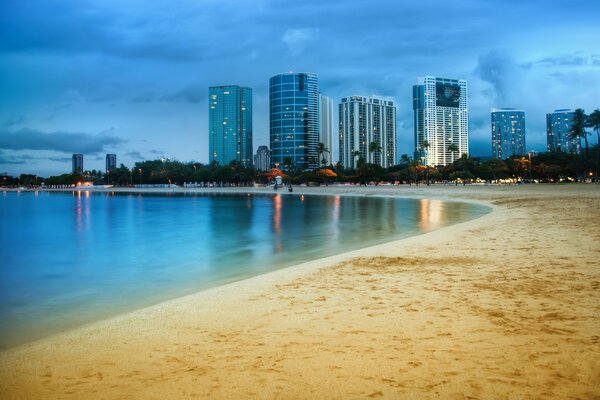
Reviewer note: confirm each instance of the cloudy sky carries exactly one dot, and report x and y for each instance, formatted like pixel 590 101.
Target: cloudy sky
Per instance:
pixel 132 76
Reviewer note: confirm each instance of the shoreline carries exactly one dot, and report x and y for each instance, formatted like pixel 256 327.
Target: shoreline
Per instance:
pixel 412 310
pixel 326 260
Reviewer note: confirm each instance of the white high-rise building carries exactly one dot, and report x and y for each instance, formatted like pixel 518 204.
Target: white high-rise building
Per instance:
pixel 366 120
pixel 441 119
pixel 326 128
pixel 262 159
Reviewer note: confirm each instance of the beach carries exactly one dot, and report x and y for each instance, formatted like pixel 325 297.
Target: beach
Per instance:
pixel 504 306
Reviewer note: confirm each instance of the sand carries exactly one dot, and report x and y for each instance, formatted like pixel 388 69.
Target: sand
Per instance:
pixel 503 307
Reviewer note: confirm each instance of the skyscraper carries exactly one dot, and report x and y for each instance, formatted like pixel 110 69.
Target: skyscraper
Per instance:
pixel 111 162
pixel 366 120
pixel 230 124
pixel 559 125
pixel 77 164
pixel 294 120
pixel 440 119
pixel 325 128
pixel 508 133
pixel 262 159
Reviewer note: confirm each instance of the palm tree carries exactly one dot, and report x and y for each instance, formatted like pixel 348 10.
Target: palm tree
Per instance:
pixel 288 163
pixel 594 123
pixel 356 154
pixel 320 150
pixel 374 147
pixel 577 132
pixel 424 146
pixel 453 148
pixel 578 129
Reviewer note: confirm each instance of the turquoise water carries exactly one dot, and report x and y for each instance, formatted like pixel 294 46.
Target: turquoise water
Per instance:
pixel 72 258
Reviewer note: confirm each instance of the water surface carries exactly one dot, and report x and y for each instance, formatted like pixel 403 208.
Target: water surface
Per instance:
pixel 72 258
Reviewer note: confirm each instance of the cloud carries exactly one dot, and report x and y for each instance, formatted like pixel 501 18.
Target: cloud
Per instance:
pixel 193 93
pixel 134 154
pixel 32 139
pixel 572 60
pixel 501 72
pixel 12 121
pixel 297 40
pixel 146 97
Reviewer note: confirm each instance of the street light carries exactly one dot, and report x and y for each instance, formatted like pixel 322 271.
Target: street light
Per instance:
pixel 131 176
pixel 140 175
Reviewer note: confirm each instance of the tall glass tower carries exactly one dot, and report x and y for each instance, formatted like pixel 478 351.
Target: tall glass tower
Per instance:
pixel 441 120
pixel 77 164
pixel 366 120
pixel 508 133
pixel 559 125
pixel 294 120
pixel 230 125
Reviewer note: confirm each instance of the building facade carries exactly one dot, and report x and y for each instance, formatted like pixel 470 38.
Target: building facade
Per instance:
pixel 326 128
pixel 111 162
pixel 508 133
pixel 262 159
pixel 441 119
pixel 77 164
pixel 230 125
pixel 366 120
pixel 294 120
pixel 559 127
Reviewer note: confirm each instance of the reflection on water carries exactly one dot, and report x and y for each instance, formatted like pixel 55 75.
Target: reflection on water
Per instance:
pixel 74 258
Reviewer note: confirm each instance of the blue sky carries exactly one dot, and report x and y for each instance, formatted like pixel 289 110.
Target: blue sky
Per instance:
pixel 132 77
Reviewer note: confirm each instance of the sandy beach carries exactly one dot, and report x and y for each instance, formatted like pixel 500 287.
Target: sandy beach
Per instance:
pixel 506 306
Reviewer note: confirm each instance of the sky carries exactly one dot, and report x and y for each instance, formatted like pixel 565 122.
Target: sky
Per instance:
pixel 131 77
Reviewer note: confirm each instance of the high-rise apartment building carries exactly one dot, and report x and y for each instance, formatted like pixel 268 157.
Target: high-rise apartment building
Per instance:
pixel 262 159
pixel 230 124
pixel 77 164
pixel 559 126
pixel 366 120
pixel 508 133
pixel 326 128
pixel 294 120
pixel 111 162
pixel 440 119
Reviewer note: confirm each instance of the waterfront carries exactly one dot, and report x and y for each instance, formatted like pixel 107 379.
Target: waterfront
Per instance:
pixel 73 258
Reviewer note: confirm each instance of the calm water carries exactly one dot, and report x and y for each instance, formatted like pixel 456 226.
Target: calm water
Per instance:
pixel 72 258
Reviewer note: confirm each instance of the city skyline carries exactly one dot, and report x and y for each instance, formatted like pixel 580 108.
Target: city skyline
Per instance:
pixel 131 78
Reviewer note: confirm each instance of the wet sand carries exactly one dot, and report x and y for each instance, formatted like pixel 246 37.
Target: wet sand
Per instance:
pixel 505 306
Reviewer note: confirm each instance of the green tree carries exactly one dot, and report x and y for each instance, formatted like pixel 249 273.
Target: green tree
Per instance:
pixel 578 132
pixel 320 150
pixel 593 122
pixel 375 151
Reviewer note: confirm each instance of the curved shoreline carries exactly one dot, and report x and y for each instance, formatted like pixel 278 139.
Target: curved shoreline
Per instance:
pixel 321 261
pixel 503 306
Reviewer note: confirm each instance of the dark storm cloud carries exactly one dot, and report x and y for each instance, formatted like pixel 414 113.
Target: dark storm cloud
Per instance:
pixel 31 139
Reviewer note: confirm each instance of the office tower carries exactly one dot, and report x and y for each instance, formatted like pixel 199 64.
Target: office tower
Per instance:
pixel 440 119
pixel 559 126
pixel 230 125
pixel 262 159
pixel 325 128
pixel 508 133
pixel 111 162
pixel 294 120
pixel 77 164
pixel 366 120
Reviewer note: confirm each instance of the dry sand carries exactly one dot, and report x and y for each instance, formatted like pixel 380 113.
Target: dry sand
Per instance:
pixel 503 307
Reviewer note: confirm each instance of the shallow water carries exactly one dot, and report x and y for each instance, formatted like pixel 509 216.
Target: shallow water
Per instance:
pixel 72 258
